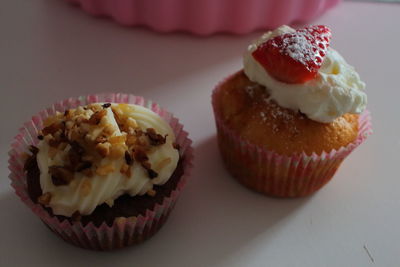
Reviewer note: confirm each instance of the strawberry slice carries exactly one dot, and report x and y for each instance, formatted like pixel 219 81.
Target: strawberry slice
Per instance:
pixel 295 57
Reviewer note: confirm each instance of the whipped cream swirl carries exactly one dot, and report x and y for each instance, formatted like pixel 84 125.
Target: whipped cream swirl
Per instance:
pixel 336 89
pixel 84 193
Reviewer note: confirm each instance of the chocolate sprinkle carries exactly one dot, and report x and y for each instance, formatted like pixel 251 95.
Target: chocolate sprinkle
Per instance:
pixel 77 148
pixel 128 158
pixel 155 139
pixel 106 105
pixel 152 174
pixel 140 155
pixel 176 146
pixel 83 165
pixel 60 175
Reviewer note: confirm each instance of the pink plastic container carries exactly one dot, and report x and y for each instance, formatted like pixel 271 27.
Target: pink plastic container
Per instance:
pixel 205 17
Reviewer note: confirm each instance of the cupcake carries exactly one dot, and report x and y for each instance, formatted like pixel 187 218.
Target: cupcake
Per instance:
pixel 289 118
pixel 207 16
pixel 102 171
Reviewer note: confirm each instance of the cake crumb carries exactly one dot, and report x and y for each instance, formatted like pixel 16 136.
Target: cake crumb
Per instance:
pixel 45 198
pixel 151 192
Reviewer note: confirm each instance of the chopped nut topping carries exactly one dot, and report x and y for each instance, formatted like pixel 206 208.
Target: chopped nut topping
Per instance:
pixel 103 149
pixel 54 142
pixel 95 107
pixel 50 120
pixel 88 157
pixel 44 199
pixel 126 169
pixel 131 123
pixel 69 125
pixel 109 129
pixel 97 116
pixel 52 128
pixel 100 139
pixel 85 137
pixel 138 133
pixel 88 172
pixel 176 146
pixel 117 114
pixel 128 158
pixel 60 175
pixel 62 146
pixel 77 148
pixel 131 140
pixel 104 170
pixel 155 139
pixel 146 165
pixel 83 166
pixel 143 142
pixel 117 151
pixel 151 192
pixel 52 152
pixel 140 155
pixel 81 120
pixel 118 139
pixel 75 153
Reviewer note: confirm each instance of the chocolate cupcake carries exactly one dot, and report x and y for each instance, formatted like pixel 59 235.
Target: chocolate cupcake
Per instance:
pixel 104 171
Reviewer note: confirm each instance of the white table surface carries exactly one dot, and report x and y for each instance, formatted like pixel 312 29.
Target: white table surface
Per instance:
pixel 50 51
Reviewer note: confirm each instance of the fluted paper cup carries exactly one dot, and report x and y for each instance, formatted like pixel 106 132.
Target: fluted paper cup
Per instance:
pixel 279 175
pixel 123 231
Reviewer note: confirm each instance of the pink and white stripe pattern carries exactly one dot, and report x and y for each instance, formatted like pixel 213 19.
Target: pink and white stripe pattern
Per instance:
pixel 124 231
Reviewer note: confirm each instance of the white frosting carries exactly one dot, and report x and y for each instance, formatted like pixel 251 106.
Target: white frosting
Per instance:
pixel 336 89
pixel 67 199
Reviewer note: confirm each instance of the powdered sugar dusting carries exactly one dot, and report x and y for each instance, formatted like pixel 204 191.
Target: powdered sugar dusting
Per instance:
pixel 250 89
pixel 297 47
pixel 307 46
pixel 279 117
pixel 263 116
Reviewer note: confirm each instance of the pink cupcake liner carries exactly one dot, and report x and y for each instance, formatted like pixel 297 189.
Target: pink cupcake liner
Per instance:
pixel 279 175
pixel 207 16
pixel 124 231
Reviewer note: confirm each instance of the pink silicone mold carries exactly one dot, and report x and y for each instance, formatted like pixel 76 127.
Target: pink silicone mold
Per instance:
pixel 207 16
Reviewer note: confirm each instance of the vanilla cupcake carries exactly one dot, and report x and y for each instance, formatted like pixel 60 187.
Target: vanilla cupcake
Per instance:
pixel 286 121
pixel 101 174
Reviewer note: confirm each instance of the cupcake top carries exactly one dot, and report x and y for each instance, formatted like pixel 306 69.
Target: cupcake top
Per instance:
pixel 301 72
pixel 93 154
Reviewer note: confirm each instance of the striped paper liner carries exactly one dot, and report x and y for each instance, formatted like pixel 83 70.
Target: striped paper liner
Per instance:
pixel 123 231
pixel 279 175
